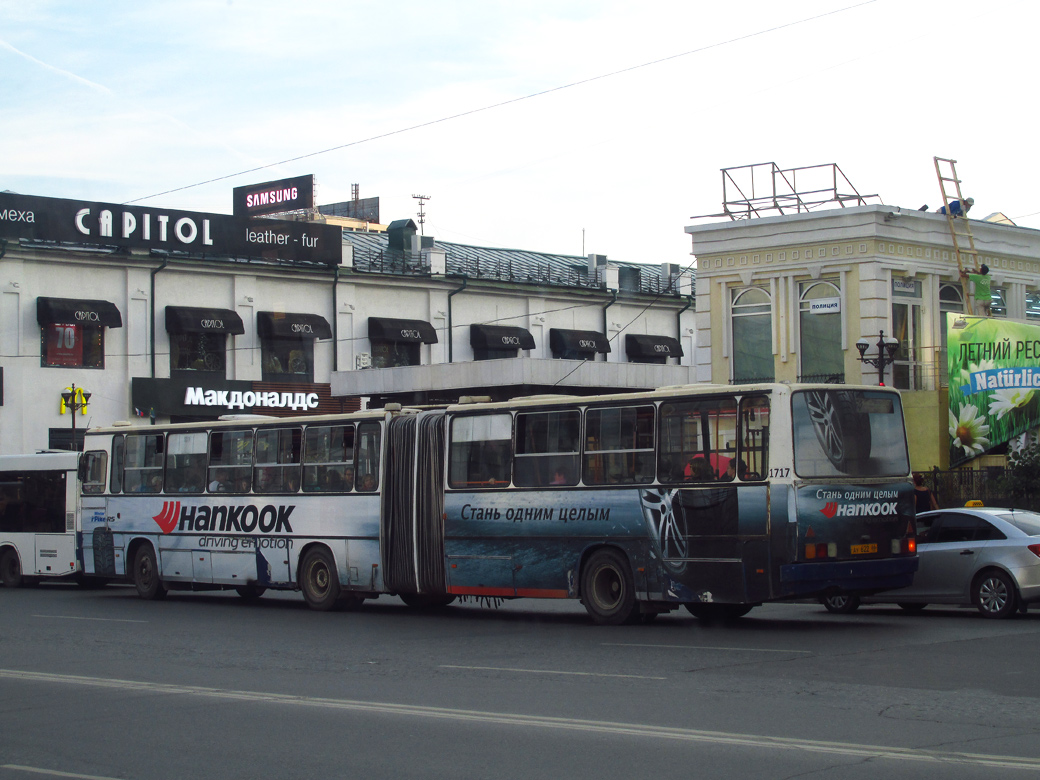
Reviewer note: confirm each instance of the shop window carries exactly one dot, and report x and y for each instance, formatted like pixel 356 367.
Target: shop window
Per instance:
pixel 198 352
pixel 73 346
pixel 287 359
pixel 819 320
pixel 390 354
pixel 752 336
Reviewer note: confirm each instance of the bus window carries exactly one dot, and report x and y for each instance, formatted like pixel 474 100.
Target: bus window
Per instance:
pixel 328 458
pixel 143 463
pixel 115 482
pixel 32 502
pixel 479 451
pixel 619 445
pixel 277 468
pixel 185 462
pixel 697 440
pixel 848 432
pixel 547 448
pixel 230 461
pixel 754 437
pixel 367 463
pixel 95 465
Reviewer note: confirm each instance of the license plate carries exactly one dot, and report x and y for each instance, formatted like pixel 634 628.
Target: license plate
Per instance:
pixel 863 549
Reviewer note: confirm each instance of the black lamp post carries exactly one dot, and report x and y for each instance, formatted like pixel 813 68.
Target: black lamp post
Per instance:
pixel 886 352
pixel 71 402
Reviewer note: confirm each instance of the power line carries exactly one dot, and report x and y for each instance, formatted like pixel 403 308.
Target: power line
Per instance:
pixel 510 101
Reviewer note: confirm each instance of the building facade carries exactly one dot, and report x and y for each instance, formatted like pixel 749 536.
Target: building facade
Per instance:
pixel 178 316
pixel 787 298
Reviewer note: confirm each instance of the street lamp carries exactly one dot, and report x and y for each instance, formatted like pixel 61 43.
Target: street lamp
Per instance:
pixel 886 348
pixel 75 399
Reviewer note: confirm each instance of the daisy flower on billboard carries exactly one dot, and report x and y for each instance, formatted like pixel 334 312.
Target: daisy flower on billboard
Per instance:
pixel 1004 401
pixel 974 368
pixel 968 431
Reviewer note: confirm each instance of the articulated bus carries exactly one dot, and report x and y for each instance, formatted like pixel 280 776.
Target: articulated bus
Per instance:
pixel 39 499
pixel 712 498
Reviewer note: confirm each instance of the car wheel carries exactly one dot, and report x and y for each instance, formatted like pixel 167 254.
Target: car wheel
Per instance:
pixel 993 594
pixel 146 574
pixel 841 603
pixel 910 607
pixel 10 569
pixel 607 590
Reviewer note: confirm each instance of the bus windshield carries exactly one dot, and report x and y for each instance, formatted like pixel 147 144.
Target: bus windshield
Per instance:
pixel 848 433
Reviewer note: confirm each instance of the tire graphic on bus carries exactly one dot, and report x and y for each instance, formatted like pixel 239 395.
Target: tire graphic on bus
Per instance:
pixel 843 433
pixel 667 527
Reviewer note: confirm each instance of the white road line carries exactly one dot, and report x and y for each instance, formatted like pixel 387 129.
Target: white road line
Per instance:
pixel 52 772
pixel 76 617
pixel 539 721
pixel 549 671
pixel 705 647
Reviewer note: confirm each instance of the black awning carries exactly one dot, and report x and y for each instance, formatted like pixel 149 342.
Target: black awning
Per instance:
pixel 273 324
pixel 387 329
pixel 638 346
pixel 190 319
pixel 500 337
pixel 77 311
pixel 577 341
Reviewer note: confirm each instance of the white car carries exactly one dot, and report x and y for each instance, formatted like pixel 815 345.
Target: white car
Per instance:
pixel 981 556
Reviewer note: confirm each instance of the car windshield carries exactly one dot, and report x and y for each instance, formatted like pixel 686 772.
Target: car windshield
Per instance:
pixel 1026 522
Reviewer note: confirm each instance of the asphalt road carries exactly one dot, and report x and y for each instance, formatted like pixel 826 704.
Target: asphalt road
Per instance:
pixel 99 684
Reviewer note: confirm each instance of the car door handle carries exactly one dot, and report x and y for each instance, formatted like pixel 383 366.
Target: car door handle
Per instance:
pixel 967 552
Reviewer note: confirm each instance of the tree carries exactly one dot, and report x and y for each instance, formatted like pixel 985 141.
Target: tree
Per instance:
pixel 1022 481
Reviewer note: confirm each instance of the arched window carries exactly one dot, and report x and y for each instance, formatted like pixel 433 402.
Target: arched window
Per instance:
pixel 819 324
pixel 752 336
pixel 951 300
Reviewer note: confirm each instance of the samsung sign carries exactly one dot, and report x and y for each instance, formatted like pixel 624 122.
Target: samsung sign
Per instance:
pixel 274 197
pixel 139 227
pixel 825 306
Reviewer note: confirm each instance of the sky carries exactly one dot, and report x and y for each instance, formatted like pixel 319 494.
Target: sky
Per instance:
pixel 564 126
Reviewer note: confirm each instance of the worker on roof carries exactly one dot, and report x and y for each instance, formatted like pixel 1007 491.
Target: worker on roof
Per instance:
pixel 957 209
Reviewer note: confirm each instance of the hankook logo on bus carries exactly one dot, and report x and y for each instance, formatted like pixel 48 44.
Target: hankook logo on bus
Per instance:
pixel 833 508
pixel 227 517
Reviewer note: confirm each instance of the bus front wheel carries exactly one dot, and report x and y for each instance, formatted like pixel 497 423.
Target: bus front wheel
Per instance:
pixel 607 590
pixel 319 580
pixel 146 574
pixel 10 569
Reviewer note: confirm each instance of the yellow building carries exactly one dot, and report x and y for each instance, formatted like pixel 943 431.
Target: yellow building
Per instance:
pixel 787 298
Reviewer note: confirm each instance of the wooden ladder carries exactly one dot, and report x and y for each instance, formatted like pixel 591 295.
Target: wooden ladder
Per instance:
pixel 960 227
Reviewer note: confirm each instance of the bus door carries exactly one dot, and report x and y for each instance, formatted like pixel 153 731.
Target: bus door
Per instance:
pixel 95 538
pixel 412 523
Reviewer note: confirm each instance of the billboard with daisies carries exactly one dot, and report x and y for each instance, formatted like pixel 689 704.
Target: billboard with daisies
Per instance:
pixel 994 382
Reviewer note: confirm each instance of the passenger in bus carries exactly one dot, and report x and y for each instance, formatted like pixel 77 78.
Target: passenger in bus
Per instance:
pixel 220 482
pixel 367 482
pixel 242 484
pixel 735 467
pixel 698 469
pixel 292 481
pixel 559 478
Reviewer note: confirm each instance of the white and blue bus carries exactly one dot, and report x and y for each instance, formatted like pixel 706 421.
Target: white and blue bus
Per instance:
pixel 39 509
pixel 713 498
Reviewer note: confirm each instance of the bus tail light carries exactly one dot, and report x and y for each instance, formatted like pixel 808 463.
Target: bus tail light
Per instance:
pixel 1035 549
pixel 911 545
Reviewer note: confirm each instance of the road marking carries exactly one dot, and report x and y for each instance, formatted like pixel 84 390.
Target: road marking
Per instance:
pixel 550 671
pixel 540 721
pixel 102 620
pixel 705 647
pixel 53 772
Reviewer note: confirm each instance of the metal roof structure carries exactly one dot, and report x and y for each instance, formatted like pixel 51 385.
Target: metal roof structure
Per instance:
pixel 372 254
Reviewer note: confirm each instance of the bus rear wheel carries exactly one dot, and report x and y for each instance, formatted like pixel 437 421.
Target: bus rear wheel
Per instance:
pixel 607 590
pixel 319 580
pixel 146 574
pixel 10 569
